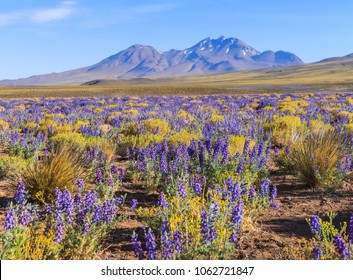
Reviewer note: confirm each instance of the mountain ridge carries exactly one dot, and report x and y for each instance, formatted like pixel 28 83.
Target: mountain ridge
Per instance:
pixel 208 56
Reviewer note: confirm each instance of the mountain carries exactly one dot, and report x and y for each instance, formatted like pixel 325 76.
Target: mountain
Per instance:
pixel 209 56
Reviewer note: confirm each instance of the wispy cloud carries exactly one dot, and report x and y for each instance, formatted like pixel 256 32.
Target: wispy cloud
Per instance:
pixel 44 15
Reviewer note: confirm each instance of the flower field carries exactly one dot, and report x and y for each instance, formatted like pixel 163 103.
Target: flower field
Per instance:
pixel 177 177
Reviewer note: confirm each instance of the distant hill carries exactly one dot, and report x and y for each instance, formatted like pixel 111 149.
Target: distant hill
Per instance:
pixel 209 56
pixel 328 72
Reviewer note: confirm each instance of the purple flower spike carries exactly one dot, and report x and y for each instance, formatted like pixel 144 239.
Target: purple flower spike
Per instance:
pixel 24 216
pixel 134 203
pixel 233 238
pixel 80 184
pixel 237 214
pixel 10 219
pixel 151 245
pixel 136 246
pixel 99 175
pixel 178 242
pixel 167 246
pixel 315 225
pixel 21 193
pixel 162 201
pixel 317 253
pixel 341 246
pixel 181 190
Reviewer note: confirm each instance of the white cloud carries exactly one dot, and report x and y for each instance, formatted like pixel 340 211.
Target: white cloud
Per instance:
pixel 51 14
pixel 63 11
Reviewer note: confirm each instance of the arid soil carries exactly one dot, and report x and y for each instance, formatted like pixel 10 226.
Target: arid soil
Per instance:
pixel 274 230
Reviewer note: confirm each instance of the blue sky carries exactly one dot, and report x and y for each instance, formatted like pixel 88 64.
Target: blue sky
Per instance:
pixel 44 36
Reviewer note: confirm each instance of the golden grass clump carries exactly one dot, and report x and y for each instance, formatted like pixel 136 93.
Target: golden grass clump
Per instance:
pixel 315 156
pixel 57 170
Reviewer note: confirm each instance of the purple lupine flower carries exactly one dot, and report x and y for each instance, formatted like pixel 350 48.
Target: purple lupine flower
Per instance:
pixel 110 182
pixel 136 246
pixel 191 149
pixel 212 235
pixel 77 200
pixel 108 211
pixel 251 192
pixel 10 219
pixel 134 203
pixel 151 245
pixel 317 253
pixel 97 215
pixel 70 214
pixel 181 190
pixel 66 200
pixel 202 150
pixel 265 187
pixel 213 212
pixel 341 246
pixel 261 148
pixel 163 165
pixel 217 150
pixel 24 216
pixel 165 226
pixel 114 169
pixel 246 147
pixel 59 227
pixel 350 236
pixel 99 175
pixel 240 168
pixel 178 242
pixel 58 198
pixel 197 188
pixel 80 216
pixel 162 201
pixel 204 224
pixel 80 184
pixel 225 152
pixel 287 150
pixel 86 228
pixel 236 192
pixel 89 200
pixel 121 174
pixel 21 193
pixel 208 145
pixel 167 246
pixel 237 214
pixel 315 225
pixel 233 238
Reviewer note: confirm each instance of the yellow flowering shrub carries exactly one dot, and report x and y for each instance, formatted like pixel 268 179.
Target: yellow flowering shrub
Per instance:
pixel 4 125
pixel 70 139
pixel 236 144
pixel 216 118
pixel 283 129
pixel 11 166
pixel 183 136
pixel 151 125
pixel 182 114
pixel 344 114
